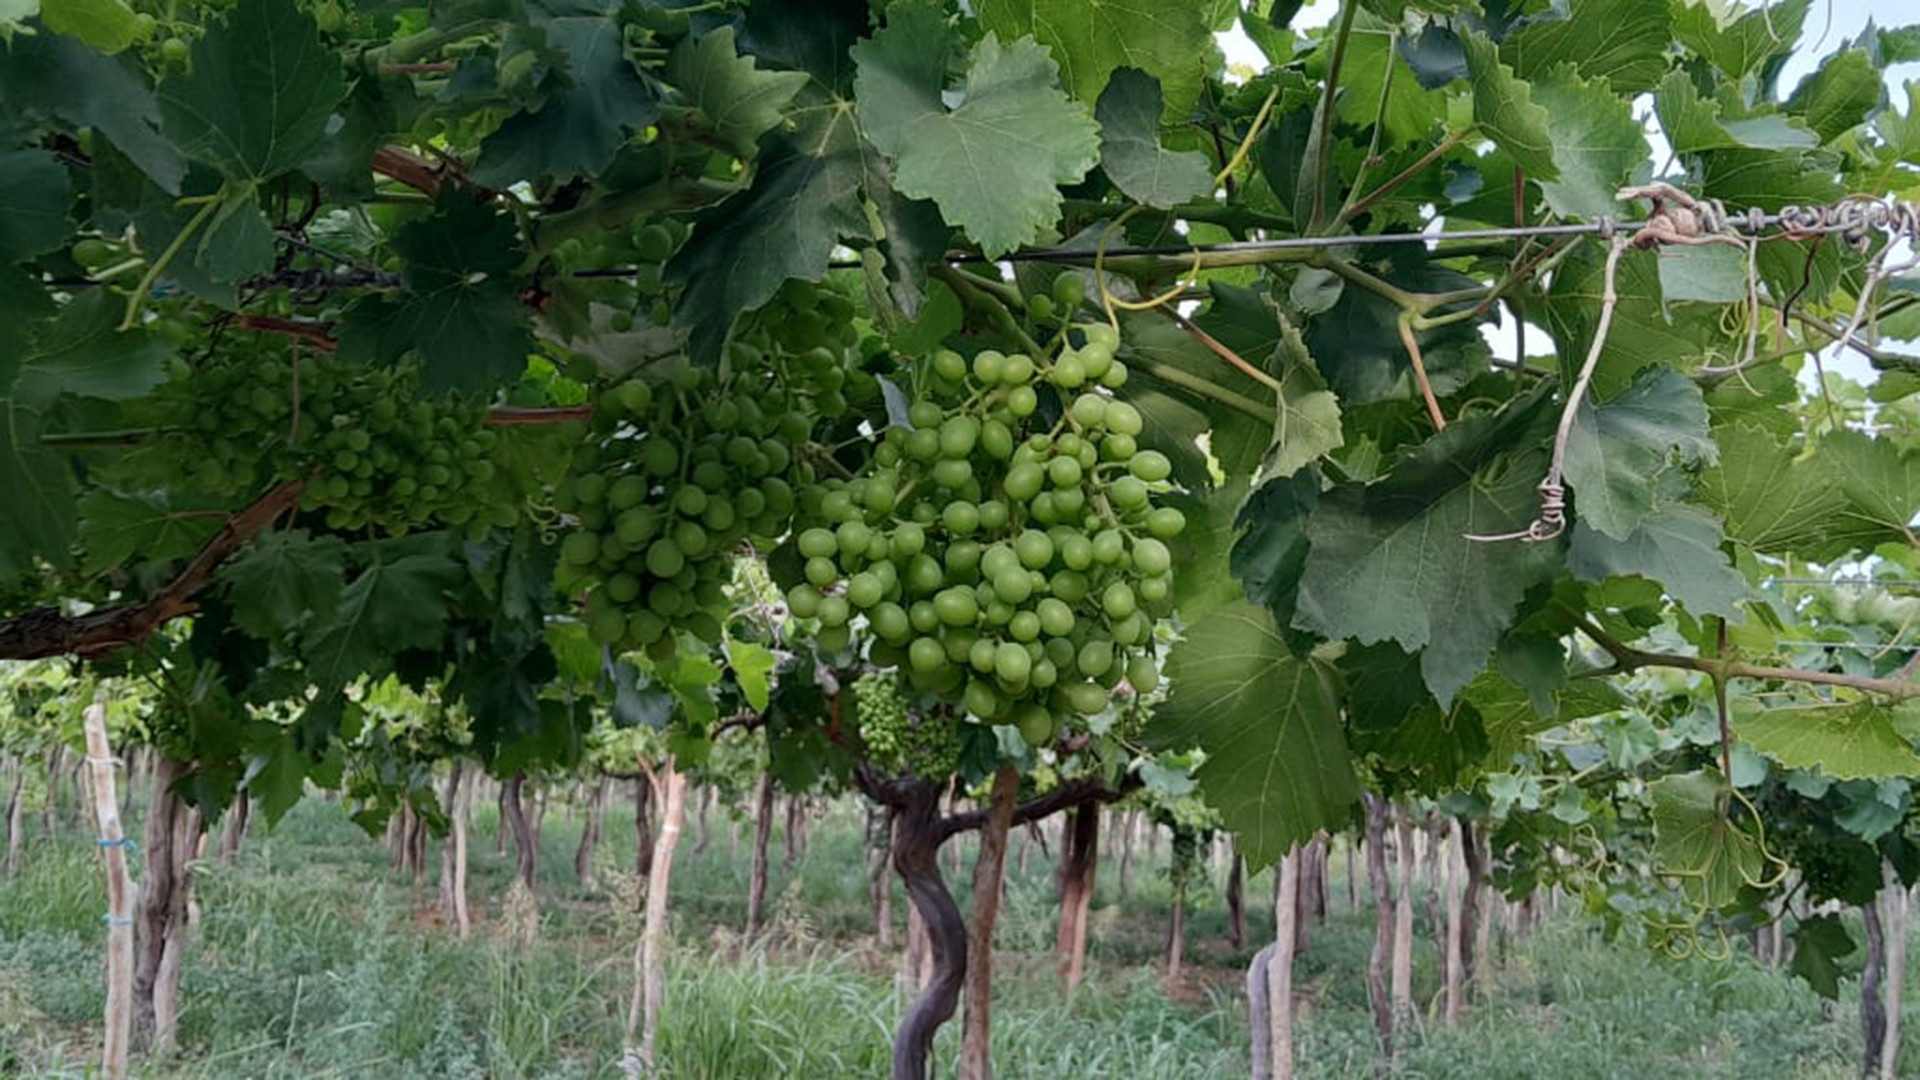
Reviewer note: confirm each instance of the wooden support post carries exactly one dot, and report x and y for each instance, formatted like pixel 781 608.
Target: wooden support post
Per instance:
pixel 113 845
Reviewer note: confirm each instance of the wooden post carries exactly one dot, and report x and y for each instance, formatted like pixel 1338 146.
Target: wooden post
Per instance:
pixel 650 981
pixel 113 844
pixel 1894 897
pixel 1403 931
pixel 757 875
pixel 975 1060
pixel 1286 910
pixel 1455 869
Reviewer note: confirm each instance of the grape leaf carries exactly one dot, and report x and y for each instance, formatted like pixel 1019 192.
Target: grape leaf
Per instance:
pixel 1777 504
pixel 1819 941
pixel 1391 561
pixel 1306 421
pixel 1622 41
pixel 117 527
pixel 1881 480
pixel 1597 144
pixel 751 665
pixel 37 491
pixel 1357 345
pixel 284 580
pixel 1709 273
pixel 258 91
pixel 994 164
pixel 1696 843
pixel 1504 108
pixel 107 25
pixel 461 309
pixel 1743 45
pixel 1644 327
pixel 56 76
pixel 1839 94
pixel 84 352
pixel 396 602
pixel 1618 450
pixel 1693 123
pixel 1677 546
pixel 1171 42
pixel 1272 554
pixel 901 72
pixel 1854 740
pixel 33 204
pixel 591 108
pixel 1277 765
pixel 1130 151
pixel 740 101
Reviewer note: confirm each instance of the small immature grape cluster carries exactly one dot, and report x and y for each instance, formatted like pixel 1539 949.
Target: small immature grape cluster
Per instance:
pixel 375 452
pixel 1014 565
pixel 898 741
pixel 686 464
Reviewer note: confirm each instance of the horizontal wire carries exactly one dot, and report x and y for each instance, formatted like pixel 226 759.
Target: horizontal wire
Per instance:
pixel 1861 645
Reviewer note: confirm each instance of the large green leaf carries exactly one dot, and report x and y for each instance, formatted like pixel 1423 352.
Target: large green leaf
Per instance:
pixel 1845 740
pixel 1130 150
pixel 1504 108
pixel 1357 345
pixel 1171 42
pixel 1644 327
pixel 56 76
pixel 1676 546
pixel 1622 41
pixel 1272 554
pixel 117 528
pixel 83 352
pixel 284 580
pixel 1618 451
pixel 37 491
pixel 1392 561
pixel 398 602
pixel 1881 480
pixel 902 71
pixel 1693 123
pixel 1277 766
pixel 1413 109
pixel 33 204
pixel 589 113
pixel 1739 41
pixel 1780 504
pixel 1597 144
pixel 461 309
pixel 994 164
pixel 1818 944
pixel 257 93
pixel 740 101
pixel 1839 94
pixel 107 25
pixel 1695 843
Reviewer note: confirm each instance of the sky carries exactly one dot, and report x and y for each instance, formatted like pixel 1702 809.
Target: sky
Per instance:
pixel 1830 23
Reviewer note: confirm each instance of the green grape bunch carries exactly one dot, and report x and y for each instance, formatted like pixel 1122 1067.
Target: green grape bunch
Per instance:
pixel 898 740
pixel 374 450
pixel 687 465
pixel 1015 566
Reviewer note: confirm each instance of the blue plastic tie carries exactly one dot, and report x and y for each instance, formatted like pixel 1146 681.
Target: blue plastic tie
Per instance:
pixel 124 842
pixel 116 920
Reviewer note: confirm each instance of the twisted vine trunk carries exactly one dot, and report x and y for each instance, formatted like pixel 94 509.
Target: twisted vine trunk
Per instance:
pixel 762 835
pixel 1080 866
pixel 976 1062
pixel 459 805
pixel 16 840
pixel 525 853
pixel 1237 901
pixel 590 832
pixel 170 842
pixel 916 856
pixel 643 826
pixel 1380 960
pixel 879 881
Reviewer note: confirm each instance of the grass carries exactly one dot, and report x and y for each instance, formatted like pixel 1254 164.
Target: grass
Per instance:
pixel 310 960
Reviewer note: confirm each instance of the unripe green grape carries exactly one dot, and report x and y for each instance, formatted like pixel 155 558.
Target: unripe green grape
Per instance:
pixel 1064 472
pixel 1151 466
pixel 989 366
pixel 908 540
pixel 980 655
pixel 804 601
pixel 1090 410
pixel 817 543
pixel 889 621
pixel 1151 557
pixel 864 590
pixel 1154 590
pixel 1069 291
pixel 1021 401
pixel 834 611
pixel 1118 600
pixel 833 639
pixel 960 518
pixel 1086 698
pixel 996 439
pixel 580 548
pixel 982 700
pixel 1143 674
pixel 1068 372
pixel 1024 626
pixel 1070 586
pixel 949 365
pixel 1116 376
pixel 924 575
pixel 956 607
pixel 1054 616
pixel 1019 370
pixel 952 473
pixel 1128 493
pixel 821 572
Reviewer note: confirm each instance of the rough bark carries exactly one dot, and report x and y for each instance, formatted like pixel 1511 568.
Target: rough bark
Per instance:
pixel 113 848
pixel 643 827
pixel 1480 960
pixel 989 868
pixel 1894 898
pixel 1128 824
pixel 1286 910
pixel 1080 859
pixel 704 836
pixel 172 834
pixel 1177 933
pixel 590 832
pixel 1353 891
pixel 1260 1030
pixel 233 827
pixel 537 818
pixel 525 853
pixel 1403 931
pixel 1237 901
pixel 501 821
pixel 650 982
pixel 50 809
pixel 916 856
pixel 460 805
pixel 879 879
pixel 795 837
pixel 1873 1011
pixel 16 803
pixel 1472 897
pixel 762 833
pixel 1453 958
pixel 1380 960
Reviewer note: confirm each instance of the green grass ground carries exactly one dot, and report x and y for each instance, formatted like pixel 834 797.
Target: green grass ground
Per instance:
pixel 312 961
